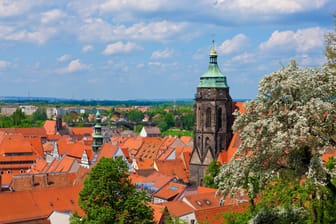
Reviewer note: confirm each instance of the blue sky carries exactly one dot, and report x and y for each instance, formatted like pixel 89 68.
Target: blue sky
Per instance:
pixel 153 49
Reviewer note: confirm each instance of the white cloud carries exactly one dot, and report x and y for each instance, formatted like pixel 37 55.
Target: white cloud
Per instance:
pixel 120 47
pixel 100 30
pixel 51 16
pixel 141 5
pixel 167 53
pixel 87 48
pixel 237 43
pixel 303 40
pixel 154 63
pixel 244 58
pixel 4 64
pixel 17 7
pixel 39 36
pixel 269 6
pixel 74 66
pixel 64 57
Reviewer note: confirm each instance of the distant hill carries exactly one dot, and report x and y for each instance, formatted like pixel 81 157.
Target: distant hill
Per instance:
pixel 89 102
pixel 92 102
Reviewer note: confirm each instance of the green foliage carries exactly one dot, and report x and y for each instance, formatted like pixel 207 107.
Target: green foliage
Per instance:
pixel 39 115
pixel 109 197
pixel 71 117
pixel 135 115
pixel 173 220
pixel 177 132
pixel 210 174
pixel 18 117
pixel 6 121
pixel 167 122
pixel 237 218
pixel 138 129
pixel 280 215
pixel 188 121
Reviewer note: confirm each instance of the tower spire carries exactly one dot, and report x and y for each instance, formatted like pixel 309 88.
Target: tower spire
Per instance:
pixel 213 54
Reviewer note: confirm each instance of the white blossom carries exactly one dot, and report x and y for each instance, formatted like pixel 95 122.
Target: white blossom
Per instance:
pixel 294 111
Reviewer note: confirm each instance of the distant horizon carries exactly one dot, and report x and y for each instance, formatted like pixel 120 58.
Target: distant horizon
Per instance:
pixel 37 98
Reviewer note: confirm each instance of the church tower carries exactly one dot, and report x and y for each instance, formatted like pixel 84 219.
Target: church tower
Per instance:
pixel 97 134
pixel 213 119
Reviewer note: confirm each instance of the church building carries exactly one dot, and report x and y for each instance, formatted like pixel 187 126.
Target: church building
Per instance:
pixel 213 114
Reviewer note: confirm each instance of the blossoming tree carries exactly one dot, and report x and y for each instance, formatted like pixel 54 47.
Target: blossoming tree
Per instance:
pixel 287 128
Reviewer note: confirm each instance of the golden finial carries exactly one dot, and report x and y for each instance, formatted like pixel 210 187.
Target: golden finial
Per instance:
pixel 213 51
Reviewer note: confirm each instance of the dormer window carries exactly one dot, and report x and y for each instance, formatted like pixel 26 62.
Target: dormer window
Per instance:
pixel 199 203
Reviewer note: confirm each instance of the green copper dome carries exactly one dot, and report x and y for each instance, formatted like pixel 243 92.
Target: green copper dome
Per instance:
pixel 213 77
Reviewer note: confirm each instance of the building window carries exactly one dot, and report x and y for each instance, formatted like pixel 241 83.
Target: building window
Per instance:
pixel 208 118
pixel 219 118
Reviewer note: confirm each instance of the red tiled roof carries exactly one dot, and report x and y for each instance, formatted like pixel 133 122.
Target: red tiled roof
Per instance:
pixel 15 143
pixel 202 190
pixel 54 137
pixel 186 139
pixel 37 145
pixel 32 132
pixel 65 164
pixel 132 142
pixel 39 166
pixel 174 168
pixel 216 215
pixel 149 149
pixel 107 151
pixel 167 141
pixel 178 208
pixel 328 154
pixel 37 204
pixel 182 149
pixel 166 154
pixel 74 149
pixel 52 166
pixel 17 152
pixel 6 178
pixel 158 212
pixel 170 191
pixel 50 127
pixel 202 201
pixel 145 164
pixel 48 147
pixel 240 107
pixel 226 155
pixel 159 180
pixel 82 130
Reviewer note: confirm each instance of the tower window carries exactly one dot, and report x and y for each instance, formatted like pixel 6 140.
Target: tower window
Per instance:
pixel 219 118
pixel 208 118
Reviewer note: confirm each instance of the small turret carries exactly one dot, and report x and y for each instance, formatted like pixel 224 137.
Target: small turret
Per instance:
pixel 97 134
